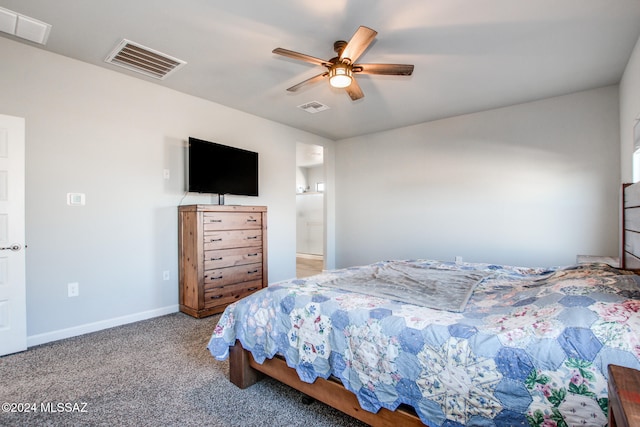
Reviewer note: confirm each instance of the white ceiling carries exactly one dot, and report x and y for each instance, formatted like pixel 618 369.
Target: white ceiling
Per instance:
pixel 469 55
pixel 309 155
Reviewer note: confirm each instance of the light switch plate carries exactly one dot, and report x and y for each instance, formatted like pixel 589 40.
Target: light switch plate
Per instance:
pixel 76 199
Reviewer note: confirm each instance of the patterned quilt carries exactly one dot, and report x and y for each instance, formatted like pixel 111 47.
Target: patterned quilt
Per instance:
pixel 531 347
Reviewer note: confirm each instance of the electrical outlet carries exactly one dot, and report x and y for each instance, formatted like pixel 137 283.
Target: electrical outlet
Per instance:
pixel 165 275
pixel 73 289
pixel 166 173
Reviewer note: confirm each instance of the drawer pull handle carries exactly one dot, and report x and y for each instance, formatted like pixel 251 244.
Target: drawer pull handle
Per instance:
pixel 216 259
pixel 252 289
pixel 252 254
pixel 252 220
pixel 215 220
pixel 252 272
pixel 216 240
pixel 252 237
pixel 216 296
pixel 216 278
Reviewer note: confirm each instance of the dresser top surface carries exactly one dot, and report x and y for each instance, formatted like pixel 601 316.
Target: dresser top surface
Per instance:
pixel 222 208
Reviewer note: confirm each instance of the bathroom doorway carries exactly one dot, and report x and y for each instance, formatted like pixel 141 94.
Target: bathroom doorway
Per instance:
pixel 310 222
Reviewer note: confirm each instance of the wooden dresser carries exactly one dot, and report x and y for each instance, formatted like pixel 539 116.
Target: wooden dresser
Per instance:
pixel 223 255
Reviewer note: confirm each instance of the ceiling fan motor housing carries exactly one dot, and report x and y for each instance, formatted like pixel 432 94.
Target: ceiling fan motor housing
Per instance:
pixel 339 46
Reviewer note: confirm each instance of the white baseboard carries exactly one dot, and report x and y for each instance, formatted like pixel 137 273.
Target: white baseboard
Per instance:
pixel 98 326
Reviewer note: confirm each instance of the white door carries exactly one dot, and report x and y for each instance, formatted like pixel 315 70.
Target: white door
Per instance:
pixel 13 304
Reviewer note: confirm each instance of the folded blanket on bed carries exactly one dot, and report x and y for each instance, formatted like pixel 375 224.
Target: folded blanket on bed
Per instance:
pixel 414 284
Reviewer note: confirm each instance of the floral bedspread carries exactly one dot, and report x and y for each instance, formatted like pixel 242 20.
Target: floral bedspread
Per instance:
pixel 531 348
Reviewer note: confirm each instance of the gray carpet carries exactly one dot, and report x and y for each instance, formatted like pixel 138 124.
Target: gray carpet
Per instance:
pixel 152 373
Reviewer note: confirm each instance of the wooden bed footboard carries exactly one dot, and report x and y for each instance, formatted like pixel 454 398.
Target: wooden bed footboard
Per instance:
pixel 244 371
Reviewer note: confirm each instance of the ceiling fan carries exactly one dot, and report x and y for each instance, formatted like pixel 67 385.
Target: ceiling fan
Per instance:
pixel 342 68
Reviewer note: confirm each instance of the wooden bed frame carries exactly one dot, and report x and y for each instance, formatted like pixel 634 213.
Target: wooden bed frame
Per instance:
pixel 244 371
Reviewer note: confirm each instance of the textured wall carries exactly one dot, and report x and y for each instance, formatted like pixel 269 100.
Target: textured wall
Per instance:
pixel 531 184
pixel 110 136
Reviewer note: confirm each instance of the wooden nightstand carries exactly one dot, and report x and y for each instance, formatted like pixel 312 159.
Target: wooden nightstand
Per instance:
pixel 624 397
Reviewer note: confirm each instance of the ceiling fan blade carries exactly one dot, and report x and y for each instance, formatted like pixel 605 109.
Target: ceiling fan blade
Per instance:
pixel 354 90
pixel 387 69
pixel 308 81
pixel 358 43
pixel 299 56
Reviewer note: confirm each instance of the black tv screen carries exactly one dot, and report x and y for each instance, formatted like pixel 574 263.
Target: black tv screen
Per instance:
pixel 220 169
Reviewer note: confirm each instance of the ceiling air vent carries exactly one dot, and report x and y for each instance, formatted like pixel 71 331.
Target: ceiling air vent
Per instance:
pixel 23 26
pixel 313 107
pixel 141 59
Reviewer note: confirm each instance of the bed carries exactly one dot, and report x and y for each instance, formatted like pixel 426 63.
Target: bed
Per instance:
pixel 491 345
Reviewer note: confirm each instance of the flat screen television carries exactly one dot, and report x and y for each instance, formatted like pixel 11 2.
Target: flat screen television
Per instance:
pixel 220 169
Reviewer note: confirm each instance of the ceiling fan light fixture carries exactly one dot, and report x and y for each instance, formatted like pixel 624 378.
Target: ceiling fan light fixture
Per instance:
pixel 341 68
pixel 340 75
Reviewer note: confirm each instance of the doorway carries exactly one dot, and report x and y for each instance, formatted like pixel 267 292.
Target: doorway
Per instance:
pixel 310 222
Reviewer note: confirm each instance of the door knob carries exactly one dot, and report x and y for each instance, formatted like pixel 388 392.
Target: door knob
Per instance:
pixel 15 247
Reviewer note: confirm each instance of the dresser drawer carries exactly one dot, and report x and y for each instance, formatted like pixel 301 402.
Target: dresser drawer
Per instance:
pixel 231 220
pixel 224 276
pixel 232 257
pixel 214 240
pixel 228 294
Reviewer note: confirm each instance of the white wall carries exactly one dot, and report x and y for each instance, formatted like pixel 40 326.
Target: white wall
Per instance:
pixel 308 176
pixel 531 184
pixel 301 179
pixel 110 136
pixel 315 175
pixel 629 111
pixel 310 223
